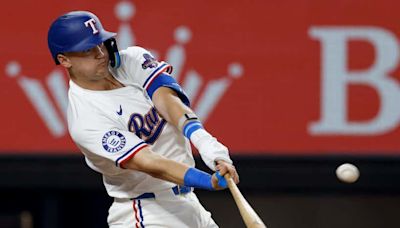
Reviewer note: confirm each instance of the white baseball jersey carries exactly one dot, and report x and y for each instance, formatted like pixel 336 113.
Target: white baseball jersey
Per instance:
pixel 110 126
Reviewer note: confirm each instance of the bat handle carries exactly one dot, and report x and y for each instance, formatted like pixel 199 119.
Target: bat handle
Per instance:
pixel 227 176
pixel 231 185
pixel 250 217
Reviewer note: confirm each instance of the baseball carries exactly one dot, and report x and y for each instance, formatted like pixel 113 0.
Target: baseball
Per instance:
pixel 347 173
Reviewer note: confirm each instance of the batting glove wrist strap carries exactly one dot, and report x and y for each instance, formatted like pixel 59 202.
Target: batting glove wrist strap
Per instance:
pixel 197 179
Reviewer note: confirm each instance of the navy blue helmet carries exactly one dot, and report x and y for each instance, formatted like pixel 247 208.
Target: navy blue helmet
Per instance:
pixel 79 31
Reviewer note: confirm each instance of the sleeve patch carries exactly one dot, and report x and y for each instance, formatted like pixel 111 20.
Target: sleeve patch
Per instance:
pixel 150 61
pixel 113 141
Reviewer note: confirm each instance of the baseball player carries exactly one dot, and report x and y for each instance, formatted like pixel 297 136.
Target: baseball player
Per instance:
pixel 133 123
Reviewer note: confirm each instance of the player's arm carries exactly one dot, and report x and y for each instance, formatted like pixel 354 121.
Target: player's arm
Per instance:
pixel 159 167
pixel 171 106
pixel 164 91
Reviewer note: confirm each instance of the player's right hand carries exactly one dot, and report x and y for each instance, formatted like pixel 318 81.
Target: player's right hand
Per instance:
pixel 224 167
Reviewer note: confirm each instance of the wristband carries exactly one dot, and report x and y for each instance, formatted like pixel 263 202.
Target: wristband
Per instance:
pixel 221 180
pixel 198 179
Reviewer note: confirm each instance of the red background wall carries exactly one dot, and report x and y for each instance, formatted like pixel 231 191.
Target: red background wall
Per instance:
pixel 267 110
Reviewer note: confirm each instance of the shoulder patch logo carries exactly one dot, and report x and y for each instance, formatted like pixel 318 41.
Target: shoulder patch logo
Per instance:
pixel 149 61
pixel 113 141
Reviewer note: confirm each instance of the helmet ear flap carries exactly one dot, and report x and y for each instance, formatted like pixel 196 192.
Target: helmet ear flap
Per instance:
pixel 112 49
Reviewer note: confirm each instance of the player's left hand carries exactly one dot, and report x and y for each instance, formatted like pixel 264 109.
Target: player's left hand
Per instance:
pixel 224 167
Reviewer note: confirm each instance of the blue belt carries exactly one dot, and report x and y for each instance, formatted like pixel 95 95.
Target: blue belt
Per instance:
pixel 177 190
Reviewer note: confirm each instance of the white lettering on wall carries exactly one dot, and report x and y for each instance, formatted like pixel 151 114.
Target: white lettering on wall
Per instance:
pixel 336 77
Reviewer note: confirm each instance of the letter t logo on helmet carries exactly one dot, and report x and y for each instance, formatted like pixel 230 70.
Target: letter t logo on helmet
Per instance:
pixel 91 22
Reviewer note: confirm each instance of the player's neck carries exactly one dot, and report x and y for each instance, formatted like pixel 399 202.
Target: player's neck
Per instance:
pixel 106 83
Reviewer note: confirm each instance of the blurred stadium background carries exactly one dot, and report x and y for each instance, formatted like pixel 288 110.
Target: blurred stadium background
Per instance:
pixel 294 88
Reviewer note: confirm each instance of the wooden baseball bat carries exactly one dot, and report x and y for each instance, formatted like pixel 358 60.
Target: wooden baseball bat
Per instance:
pixel 250 217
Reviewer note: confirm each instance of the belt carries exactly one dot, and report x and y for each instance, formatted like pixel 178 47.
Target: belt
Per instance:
pixel 177 190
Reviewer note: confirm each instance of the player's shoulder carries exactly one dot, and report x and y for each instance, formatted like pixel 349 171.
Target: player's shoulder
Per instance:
pixel 81 115
pixel 84 116
pixel 81 126
pixel 133 59
pixel 133 51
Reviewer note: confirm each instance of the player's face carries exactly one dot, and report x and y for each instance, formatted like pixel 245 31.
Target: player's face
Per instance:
pixel 92 64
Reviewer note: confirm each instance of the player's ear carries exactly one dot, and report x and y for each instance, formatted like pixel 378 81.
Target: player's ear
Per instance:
pixel 64 61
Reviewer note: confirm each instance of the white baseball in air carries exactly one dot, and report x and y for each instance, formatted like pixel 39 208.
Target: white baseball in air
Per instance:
pixel 347 173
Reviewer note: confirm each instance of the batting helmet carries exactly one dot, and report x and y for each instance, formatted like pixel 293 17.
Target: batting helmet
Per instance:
pixel 80 31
